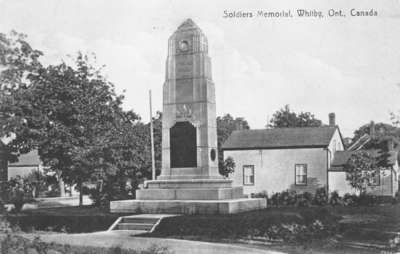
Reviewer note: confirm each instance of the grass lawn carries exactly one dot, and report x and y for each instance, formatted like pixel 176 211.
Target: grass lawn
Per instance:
pixel 351 226
pixel 345 229
pixel 15 243
pixel 64 219
pixel 375 224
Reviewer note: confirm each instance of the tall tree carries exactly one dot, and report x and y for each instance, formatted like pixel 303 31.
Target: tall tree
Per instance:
pixel 18 62
pixel 286 118
pixel 380 130
pixel 395 117
pixel 225 126
pixel 73 116
pixel 143 130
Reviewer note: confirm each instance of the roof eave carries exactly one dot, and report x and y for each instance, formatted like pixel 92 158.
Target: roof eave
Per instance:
pixel 273 147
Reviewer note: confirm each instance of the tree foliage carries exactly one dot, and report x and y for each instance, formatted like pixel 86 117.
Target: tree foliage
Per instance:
pixel 395 117
pixel 284 118
pixel 71 114
pixel 18 191
pixel 228 166
pixel 18 62
pixel 361 168
pixel 157 132
pixel 381 131
pixel 225 126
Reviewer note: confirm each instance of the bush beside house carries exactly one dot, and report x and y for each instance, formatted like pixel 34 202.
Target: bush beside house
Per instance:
pixel 321 198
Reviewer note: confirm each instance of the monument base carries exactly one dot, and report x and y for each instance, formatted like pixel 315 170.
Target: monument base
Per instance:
pixel 190 196
pixel 188 206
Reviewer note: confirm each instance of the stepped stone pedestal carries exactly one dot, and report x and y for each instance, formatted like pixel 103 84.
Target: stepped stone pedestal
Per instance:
pixel 189 197
pixel 189 182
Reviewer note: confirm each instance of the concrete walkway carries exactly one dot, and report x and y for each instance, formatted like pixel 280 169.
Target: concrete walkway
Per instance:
pixel 124 239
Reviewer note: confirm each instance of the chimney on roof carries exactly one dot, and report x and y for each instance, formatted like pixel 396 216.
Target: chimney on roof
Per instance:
pixel 332 119
pixel 372 133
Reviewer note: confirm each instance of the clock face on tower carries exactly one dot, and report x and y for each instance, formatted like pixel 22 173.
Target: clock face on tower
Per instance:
pixel 183 45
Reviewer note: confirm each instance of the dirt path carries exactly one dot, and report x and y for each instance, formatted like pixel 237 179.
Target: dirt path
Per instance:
pixel 126 240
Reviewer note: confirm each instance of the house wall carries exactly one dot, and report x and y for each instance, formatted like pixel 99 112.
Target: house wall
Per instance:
pixel 335 144
pixel 25 165
pixel 396 177
pixel 338 182
pixel 274 169
pixel 386 186
pixel 22 171
pixel 388 183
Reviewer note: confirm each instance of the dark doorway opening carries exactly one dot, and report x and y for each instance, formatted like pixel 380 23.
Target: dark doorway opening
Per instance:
pixel 183 145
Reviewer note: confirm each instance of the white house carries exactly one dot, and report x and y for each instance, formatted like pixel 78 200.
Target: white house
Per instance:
pixel 274 160
pixel 26 164
pixel 300 159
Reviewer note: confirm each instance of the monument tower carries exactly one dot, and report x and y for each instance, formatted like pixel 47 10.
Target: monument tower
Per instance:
pixel 189 121
pixel 189 180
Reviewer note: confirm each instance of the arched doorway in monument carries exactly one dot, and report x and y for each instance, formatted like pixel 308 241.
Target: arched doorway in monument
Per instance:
pixel 183 144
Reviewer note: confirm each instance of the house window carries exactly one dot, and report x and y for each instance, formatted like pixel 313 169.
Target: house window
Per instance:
pixel 248 175
pixel 300 174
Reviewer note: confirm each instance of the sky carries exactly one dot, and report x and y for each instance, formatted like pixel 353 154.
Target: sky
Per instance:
pixel 347 65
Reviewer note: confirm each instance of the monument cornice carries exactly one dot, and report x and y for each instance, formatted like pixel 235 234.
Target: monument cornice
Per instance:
pixel 199 77
pixel 188 102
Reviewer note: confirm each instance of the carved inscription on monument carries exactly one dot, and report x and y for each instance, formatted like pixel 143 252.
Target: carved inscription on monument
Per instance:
pixel 183 91
pixel 184 66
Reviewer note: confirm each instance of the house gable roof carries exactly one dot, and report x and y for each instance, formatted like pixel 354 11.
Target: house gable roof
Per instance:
pixel 306 137
pixel 342 157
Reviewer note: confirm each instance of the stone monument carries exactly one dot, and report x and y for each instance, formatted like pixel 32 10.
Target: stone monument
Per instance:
pixel 189 181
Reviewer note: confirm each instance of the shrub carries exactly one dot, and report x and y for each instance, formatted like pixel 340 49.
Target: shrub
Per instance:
pixel 303 234
pixel 262 194
pixel 273 201
pixel 112 188
pixel 227 166
pixel 396 199
pixel 335 199
pixel 274 224
pixel 287 198
pixel 4 225
pixel 350 199
pixel 99 199
pixel 18 192
pixel 304 199
pixel 321 197
pixel 42 184
pixel 394 244
pixel 2 207
pixel 366 199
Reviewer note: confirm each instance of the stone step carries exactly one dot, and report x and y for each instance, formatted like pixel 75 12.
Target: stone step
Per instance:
pixel 134 226
pixel 142 222
pixel 188 206
pixel 139 220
